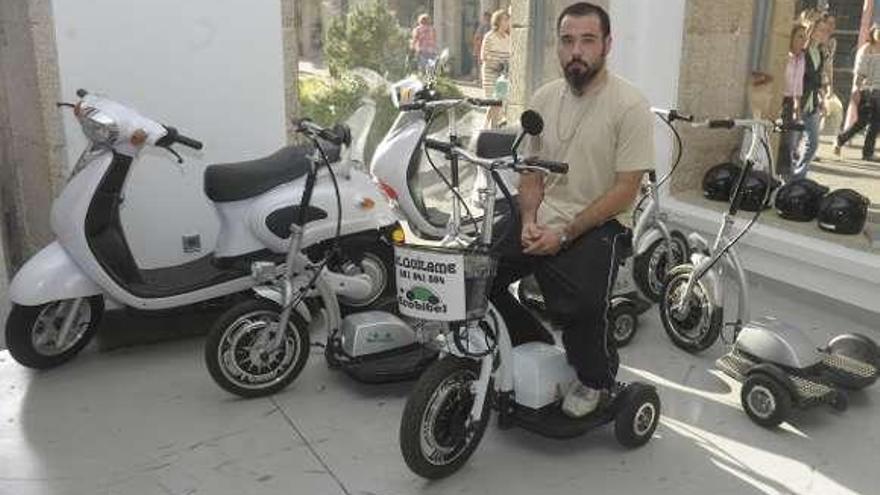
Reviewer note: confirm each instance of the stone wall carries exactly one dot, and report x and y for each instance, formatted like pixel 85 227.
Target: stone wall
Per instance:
pixel 33 164
pixel 289 14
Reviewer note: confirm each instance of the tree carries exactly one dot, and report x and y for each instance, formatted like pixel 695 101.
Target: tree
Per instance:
pixel 368 36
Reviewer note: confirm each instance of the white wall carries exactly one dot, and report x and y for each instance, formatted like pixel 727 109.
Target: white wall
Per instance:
pixel 212 68
pixel 646 50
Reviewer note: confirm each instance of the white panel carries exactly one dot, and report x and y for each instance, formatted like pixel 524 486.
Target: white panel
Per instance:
pixel 646 50
pixel 211 68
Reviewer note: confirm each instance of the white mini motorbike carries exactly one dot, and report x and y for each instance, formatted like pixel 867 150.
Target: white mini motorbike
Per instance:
pixel 59 295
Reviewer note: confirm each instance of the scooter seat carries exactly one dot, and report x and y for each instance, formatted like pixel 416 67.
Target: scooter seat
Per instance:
pixel 237 181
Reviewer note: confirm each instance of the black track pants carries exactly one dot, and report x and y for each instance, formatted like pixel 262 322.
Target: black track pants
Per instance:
pixel 576 284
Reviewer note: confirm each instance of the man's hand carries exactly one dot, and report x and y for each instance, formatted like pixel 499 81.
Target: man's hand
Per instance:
pixel 540 240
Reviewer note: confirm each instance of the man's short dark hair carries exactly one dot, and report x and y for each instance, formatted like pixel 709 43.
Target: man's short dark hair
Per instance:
pixel 583 9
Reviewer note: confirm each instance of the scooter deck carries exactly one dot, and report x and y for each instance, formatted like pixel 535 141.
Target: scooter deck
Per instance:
pixel 854 369
pixel 809 392
pixel 550 421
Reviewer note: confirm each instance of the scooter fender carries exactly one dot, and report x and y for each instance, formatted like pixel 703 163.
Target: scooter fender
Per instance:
pixel 50 275
pixel 274 294
pixel 710 280
pixel 646 240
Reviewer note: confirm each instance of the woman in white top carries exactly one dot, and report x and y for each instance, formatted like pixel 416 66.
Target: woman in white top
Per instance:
pixel 495 56
pixel 867 82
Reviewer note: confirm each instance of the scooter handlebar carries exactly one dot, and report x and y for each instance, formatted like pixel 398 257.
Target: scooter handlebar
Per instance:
pixel 173 136
pixel 550 166
pixel 339 135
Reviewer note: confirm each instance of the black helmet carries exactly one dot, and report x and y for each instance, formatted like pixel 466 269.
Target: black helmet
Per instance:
pixel 719 180
pixel 844 212
pixel 754 190
pixel 799 200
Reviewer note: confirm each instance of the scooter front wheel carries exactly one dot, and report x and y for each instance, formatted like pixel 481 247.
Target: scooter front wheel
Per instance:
pixel 239 352
pixel 436 435
pixel 697 325
pixel 651 268
pixel 34 333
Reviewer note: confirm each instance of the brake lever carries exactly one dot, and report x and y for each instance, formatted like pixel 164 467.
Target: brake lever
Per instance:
pixel 174 152
pixel 64 104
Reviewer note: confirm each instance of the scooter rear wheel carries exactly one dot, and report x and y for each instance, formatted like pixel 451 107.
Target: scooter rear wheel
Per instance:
pixel 237 351
pixel 638 417
pixel 32 331
pixel 698 325
pixel 435 437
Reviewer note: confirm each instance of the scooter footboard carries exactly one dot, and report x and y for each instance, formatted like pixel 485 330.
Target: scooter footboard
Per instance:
pixel 50 275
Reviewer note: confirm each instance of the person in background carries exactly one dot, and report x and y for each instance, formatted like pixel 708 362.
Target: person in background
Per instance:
pixel 812 102
pixel 480 32
pixel 792 92
pixel 867 80
pixel 495 55
pixel 424 42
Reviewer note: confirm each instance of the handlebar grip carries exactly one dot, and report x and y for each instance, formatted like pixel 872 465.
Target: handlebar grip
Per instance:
pixel 438 145
pixel 554 167
pixel 81 93
pixel 314 129
pixel 722 124
pixel 485 102
pixel 675 115
pixel 408 107
pixel 190 142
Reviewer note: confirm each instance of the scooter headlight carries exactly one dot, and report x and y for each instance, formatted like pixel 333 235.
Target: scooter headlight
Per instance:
pixel 99 127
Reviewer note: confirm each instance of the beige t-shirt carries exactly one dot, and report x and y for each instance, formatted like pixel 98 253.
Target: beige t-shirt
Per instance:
pixel 607 130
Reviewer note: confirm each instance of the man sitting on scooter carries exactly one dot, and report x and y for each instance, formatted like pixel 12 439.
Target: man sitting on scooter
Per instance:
pixel 570 237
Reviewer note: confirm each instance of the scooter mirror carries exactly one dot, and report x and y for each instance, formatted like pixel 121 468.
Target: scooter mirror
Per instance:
pixel 532 122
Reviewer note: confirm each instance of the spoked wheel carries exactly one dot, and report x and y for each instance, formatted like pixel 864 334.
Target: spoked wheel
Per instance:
pixel 765 400
pixel 436 434
pixel 695 326
pixel 650 268
pixel 240 355
pixel 38 338
pixel 638 417
pixel 623 321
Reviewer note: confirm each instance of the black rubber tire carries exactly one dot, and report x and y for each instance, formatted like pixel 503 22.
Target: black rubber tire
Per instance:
pixel 780 395
pixel 622 315
pixel 630 427
pixel 411 425
pixel 712 318
pixel 651 285
pixel 378 250
pixel 297 330
pixel 840 402
pixel 20 325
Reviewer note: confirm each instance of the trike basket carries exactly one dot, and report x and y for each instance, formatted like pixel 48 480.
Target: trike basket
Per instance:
pixel 443 284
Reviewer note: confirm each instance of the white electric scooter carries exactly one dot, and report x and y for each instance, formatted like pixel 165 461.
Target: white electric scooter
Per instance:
pixel 777 362
pixel 59 294
pixel 447 413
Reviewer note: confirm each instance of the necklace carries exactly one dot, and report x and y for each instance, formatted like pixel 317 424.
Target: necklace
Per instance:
pixel 565 137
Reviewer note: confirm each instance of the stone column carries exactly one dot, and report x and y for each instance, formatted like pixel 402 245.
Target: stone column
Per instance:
pixel 289 11
pixel 712 82
pixel 34 164
pixel 447 22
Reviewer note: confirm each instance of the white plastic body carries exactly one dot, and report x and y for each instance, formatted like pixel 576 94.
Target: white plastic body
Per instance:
pixel 541 374
pixel 69 269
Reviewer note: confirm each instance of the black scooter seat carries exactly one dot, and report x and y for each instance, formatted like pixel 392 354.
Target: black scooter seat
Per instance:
pixel 238 181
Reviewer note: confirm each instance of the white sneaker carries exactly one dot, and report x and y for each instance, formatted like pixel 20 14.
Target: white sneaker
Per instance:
pixel 580 400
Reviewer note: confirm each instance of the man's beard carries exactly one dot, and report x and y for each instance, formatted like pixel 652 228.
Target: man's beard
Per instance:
pixel 579 74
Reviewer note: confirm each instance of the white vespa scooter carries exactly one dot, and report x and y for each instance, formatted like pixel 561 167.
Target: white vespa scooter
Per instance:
pixel 59 295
